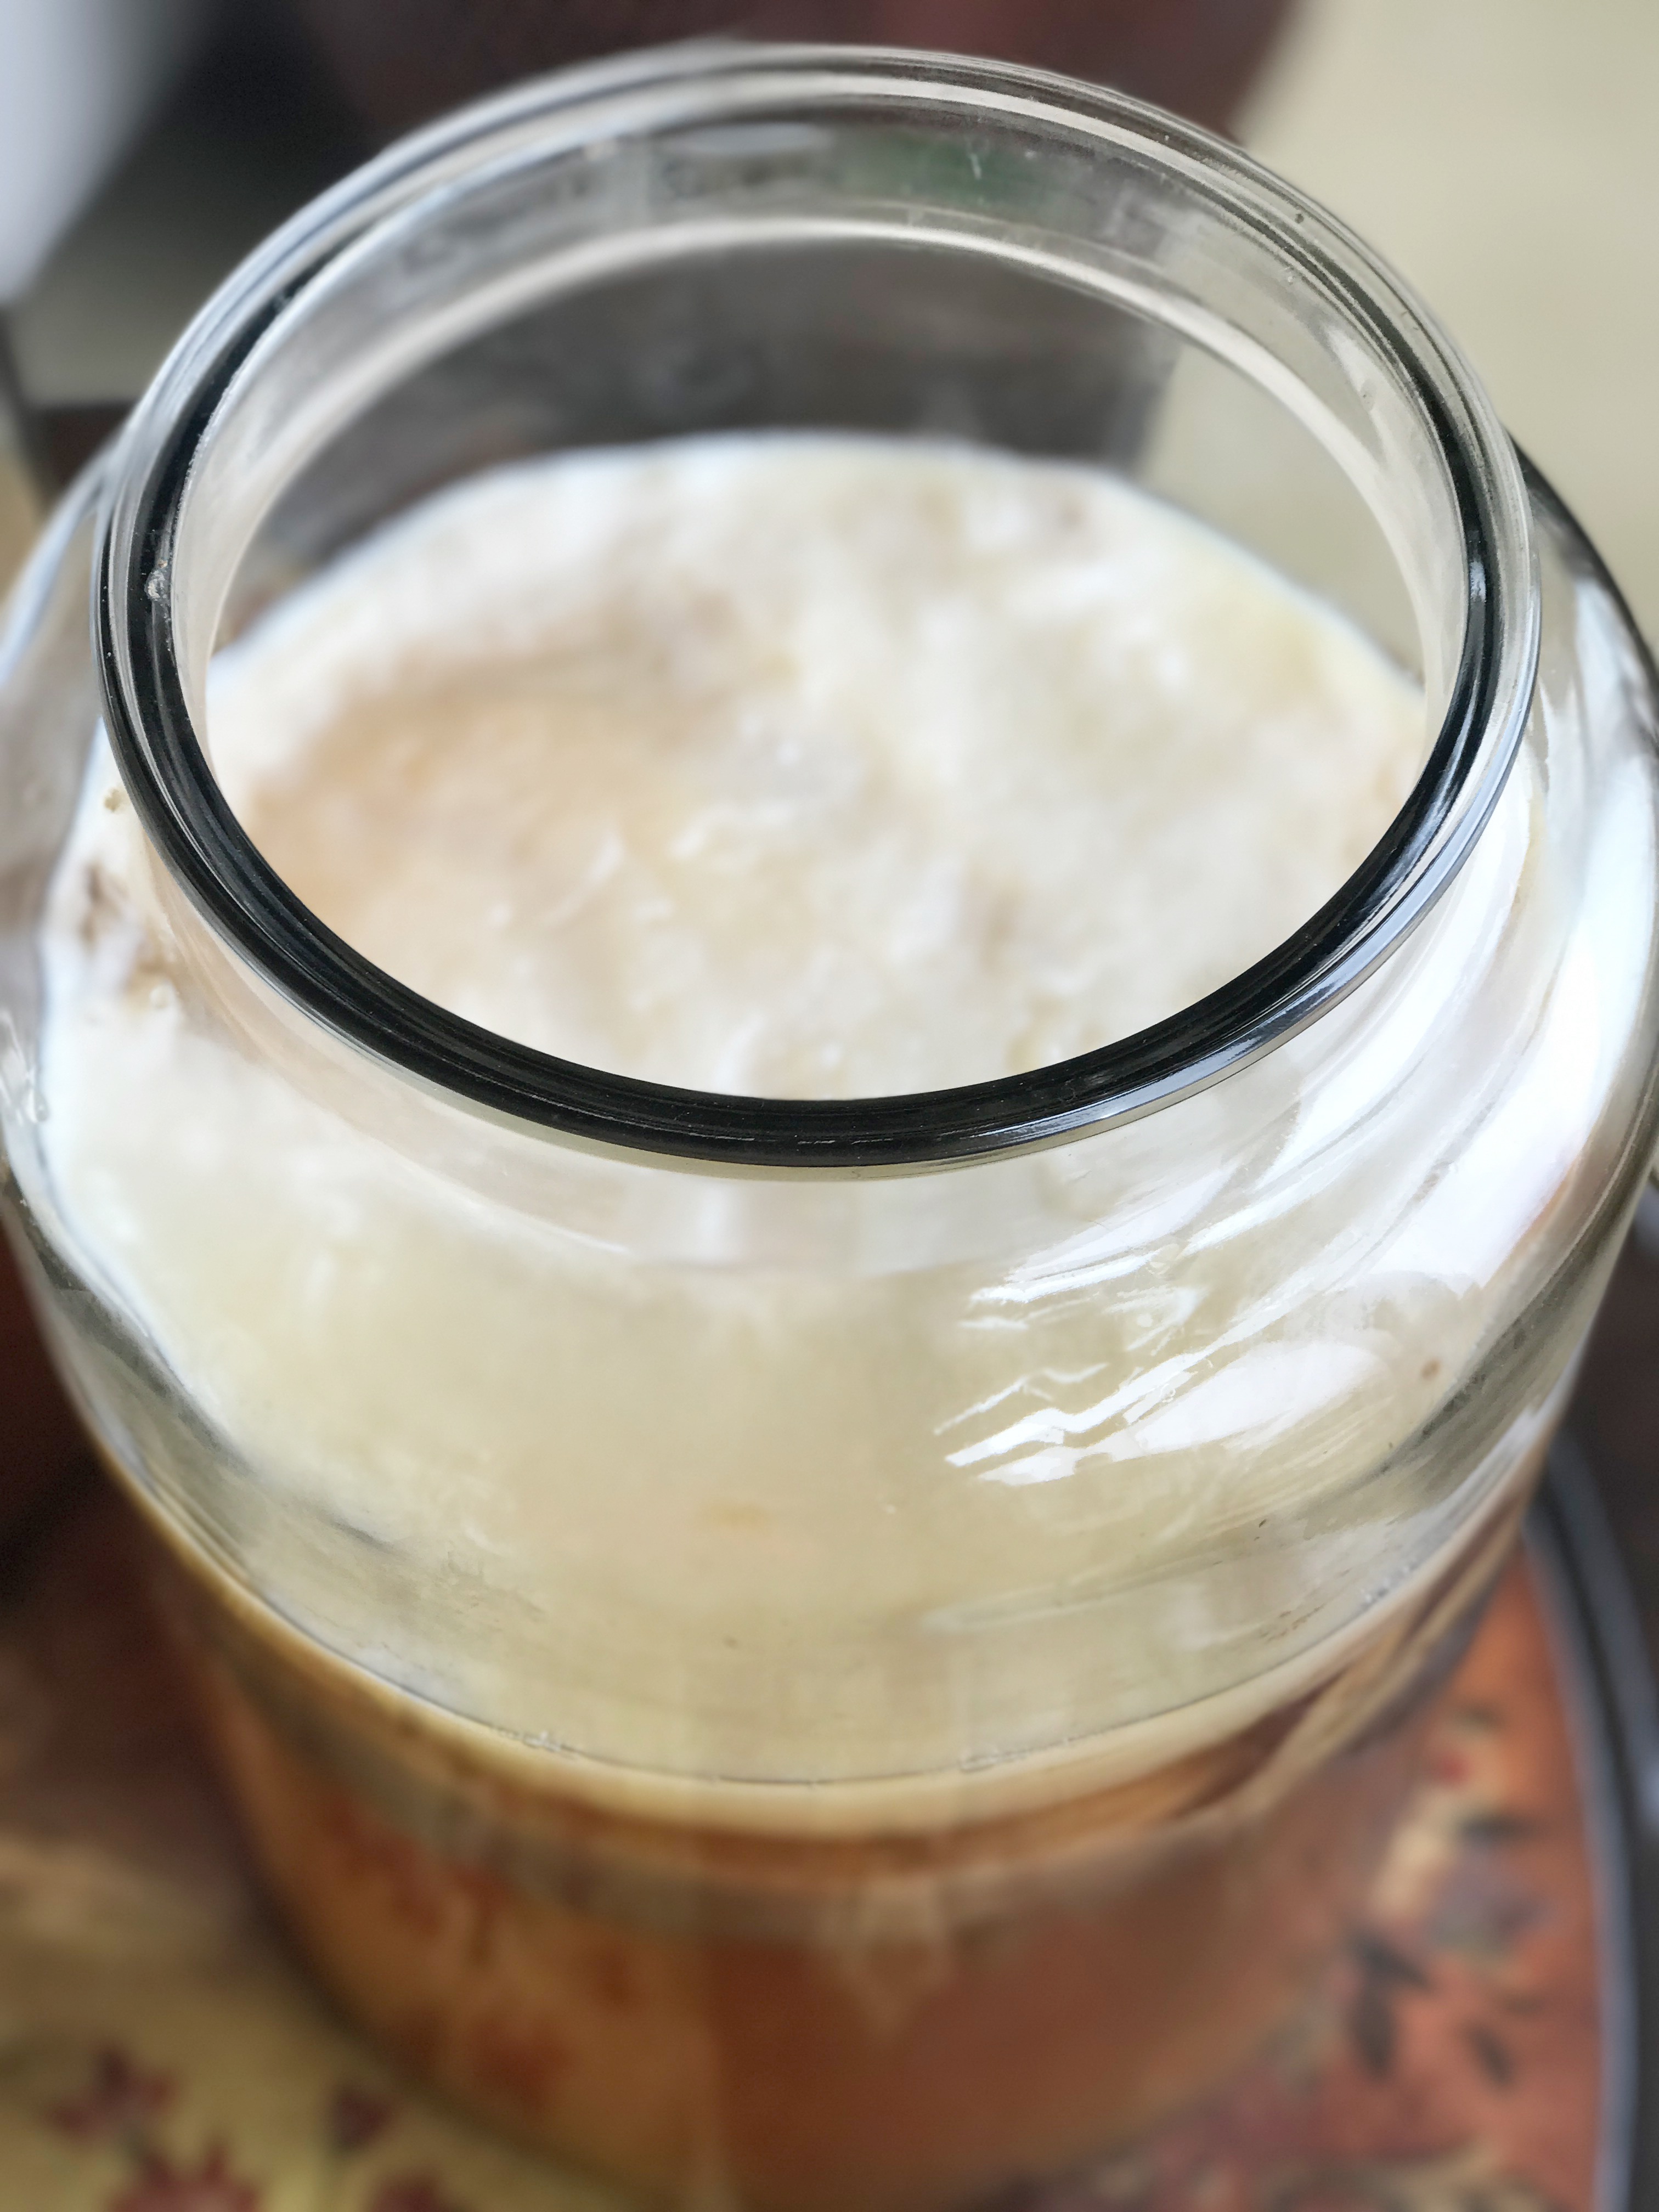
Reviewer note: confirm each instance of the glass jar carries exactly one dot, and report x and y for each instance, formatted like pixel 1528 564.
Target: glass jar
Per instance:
pixel 1223 1356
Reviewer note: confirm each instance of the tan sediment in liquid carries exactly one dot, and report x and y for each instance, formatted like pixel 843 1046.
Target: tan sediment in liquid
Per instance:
pixel 799 2025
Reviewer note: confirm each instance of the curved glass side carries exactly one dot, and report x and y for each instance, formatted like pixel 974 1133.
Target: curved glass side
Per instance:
pixel 1216 1381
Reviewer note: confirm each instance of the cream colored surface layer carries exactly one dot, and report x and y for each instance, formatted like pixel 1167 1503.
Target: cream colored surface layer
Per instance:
pixel 803 765
pixel 810 766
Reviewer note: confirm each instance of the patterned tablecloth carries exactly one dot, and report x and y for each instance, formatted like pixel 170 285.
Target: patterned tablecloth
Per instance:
pixel 160 2051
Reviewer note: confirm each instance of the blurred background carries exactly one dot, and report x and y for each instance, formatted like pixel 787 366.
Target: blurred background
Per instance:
pixel 1503 153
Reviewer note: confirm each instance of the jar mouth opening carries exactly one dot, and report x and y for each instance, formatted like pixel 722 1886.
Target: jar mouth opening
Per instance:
pixel 144 659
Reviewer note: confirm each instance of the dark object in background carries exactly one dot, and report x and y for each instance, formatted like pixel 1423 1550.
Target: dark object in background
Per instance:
pixel 43 1442
pixel 400 62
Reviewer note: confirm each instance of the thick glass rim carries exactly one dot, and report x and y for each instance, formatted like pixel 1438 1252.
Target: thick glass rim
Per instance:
pixel 165 768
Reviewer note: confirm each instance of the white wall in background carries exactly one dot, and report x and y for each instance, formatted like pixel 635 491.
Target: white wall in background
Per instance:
pixel 1504 155
pixel 77 80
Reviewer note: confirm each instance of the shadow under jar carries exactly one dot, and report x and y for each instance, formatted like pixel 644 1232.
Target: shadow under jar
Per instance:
pixel 1119 1809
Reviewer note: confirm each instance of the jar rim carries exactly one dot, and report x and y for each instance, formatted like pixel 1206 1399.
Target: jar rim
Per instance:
pixel 165 768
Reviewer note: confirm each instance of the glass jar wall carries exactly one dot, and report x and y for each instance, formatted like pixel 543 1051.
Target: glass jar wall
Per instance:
pixel 843 1651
